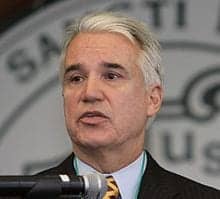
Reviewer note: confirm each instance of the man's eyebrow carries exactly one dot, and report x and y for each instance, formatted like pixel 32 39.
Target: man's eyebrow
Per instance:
pixel 112 65
pixel 78 66
pixel 72 68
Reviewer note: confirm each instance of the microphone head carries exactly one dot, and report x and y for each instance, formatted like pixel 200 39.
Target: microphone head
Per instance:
pixel 95 185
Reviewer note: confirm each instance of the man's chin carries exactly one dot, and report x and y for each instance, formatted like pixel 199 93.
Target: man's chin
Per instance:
pixel 94 144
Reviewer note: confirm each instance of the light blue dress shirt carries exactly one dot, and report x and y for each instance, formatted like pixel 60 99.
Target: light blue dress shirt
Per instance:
pixel 128 178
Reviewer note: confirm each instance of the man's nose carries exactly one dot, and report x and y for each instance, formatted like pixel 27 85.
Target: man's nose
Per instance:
pixel 93 90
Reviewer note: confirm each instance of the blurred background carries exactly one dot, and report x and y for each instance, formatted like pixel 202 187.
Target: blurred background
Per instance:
pixel 185 136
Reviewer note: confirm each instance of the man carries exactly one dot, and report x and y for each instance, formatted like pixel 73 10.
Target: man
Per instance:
pixel 112 88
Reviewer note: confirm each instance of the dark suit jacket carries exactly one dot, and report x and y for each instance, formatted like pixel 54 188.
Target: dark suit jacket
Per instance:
pixel 157 183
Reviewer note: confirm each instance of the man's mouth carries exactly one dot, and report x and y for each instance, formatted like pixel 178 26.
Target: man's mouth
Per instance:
pixel 93 117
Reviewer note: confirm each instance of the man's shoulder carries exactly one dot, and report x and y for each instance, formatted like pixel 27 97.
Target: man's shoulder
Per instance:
pixel 65 167
pixel 165 184
pixel 188 188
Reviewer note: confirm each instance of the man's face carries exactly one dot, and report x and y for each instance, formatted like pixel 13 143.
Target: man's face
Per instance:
pixel 106 102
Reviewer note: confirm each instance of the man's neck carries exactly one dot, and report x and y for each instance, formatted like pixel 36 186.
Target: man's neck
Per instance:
pixel 107 160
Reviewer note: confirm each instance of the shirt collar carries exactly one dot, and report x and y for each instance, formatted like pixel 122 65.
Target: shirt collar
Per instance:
pixel 128 178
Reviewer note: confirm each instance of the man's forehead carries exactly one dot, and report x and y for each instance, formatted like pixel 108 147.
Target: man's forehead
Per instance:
pixel 101 40
pixel 100 51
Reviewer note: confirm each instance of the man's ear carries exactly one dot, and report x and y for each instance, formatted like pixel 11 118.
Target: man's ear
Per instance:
pixel 154 98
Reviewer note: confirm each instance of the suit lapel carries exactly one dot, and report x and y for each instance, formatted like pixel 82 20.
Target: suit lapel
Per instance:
pixel 154 184
pixel 67 165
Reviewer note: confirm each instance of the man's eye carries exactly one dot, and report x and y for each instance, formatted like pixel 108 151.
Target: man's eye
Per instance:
pixel 112 76
pixel 75 79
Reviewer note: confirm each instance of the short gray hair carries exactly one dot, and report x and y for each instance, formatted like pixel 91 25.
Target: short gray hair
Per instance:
pixel 149 58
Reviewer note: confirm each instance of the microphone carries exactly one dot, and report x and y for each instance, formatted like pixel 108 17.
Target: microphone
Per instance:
pixel 92 186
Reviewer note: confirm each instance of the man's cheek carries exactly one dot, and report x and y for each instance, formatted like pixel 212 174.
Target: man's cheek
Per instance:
pixel 69 106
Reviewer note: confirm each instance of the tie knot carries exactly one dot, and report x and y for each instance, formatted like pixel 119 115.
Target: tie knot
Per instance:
pixel 113 191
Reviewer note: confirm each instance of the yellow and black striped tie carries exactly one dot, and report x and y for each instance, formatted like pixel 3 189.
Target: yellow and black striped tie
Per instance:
pixel 113 191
